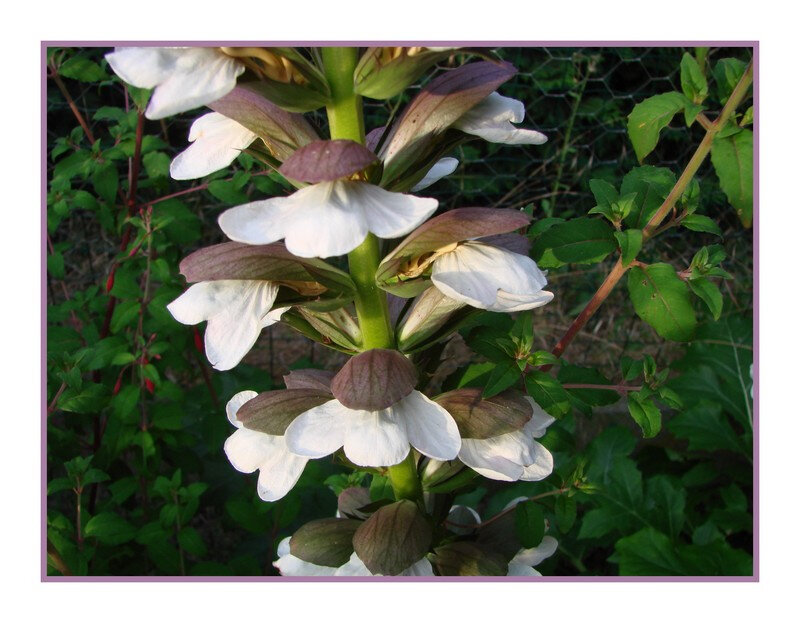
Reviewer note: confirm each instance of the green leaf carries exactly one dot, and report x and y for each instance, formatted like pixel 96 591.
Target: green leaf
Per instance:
pixel 690 113
pixel 156 164
pixel 717 559
pixel 566 512
pixel 732 158
pixel 605 195
pixel 503 376
pixel 651 185
pixel 227 192
pixel 630 243
pixel 727 73
pixel 83 69
pixel 666 498
pixel 698 222
pixel 90 398
pixel 661 299
pixel 548 393
pixel 109 529
pixel 529 523
pixel 648 552
pixel 693 82
pixel 705 428
pixel 105 181
pixel 192 542
pixel 709 293
pixel 651 116
pixel 583 240
pixel 645 413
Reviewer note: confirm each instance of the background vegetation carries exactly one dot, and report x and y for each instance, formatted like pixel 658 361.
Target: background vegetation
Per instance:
pixel 137 480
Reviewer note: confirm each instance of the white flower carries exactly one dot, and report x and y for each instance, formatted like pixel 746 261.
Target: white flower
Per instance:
pixel 490 277
pixel 354 567
pixel 290 565
pixel 326 219
pixel 183 78
pixel 376 438
pixel 512 456
pixel 216 141
pixel 442 168
pixel 250 450
pixel 464 520
pixel 236 311
pixel 525 559
pixel 492 120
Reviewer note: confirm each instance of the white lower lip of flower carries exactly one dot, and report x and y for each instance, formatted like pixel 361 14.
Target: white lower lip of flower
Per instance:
pixel 183 78
pixel 250 450
pixel 327 219
pixel 490 278
pixel 376 438
pixel 513 456
pixel 492 121
pixel 216 142
pixel 236 311
pixel 525 559
pixel 355 567
pixel 290 565
pixel 442 168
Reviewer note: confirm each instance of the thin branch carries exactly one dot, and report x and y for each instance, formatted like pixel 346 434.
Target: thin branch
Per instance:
pixel 736 98
pixel 71 103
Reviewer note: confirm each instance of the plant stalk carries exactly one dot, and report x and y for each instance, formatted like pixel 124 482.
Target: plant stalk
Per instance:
pixel 346 119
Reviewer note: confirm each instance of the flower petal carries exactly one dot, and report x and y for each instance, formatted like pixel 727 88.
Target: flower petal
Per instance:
pixel 235 310
pixel 145 68
pixel 216 141
pixel 247 449
pixel 476 273
pixel 388 214
pixel 430 428
pixel 442 168
pixel 507 302
pixel 375 438
pixel 279 472
pixel 235 403
pixel 535 555
pixel 317 221
pixel 197 76
pixel 258 222
pixel 537 426
pixel 541 466
pixel 290 565
pixel 231 333
pixel 517 569
pixel 473 454
pixel 319 431
pixel 422 567
pixel 492 121
pixel 353 568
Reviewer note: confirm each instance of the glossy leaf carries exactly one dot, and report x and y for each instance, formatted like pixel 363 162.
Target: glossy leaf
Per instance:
pixel 661 299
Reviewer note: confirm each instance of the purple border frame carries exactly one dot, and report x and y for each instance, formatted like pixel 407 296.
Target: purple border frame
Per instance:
pixel 584 43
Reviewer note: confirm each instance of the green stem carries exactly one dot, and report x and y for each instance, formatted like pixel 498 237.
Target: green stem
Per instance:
pixel 405 481
pixel 346 120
